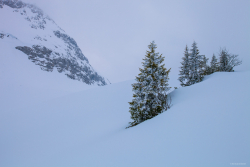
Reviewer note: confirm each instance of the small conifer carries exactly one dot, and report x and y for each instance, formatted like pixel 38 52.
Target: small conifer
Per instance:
pixel 203 68
pixel 213 64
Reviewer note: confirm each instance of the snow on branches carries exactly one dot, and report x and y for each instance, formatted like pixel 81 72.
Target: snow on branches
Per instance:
pixel 150 90
pixel 194 66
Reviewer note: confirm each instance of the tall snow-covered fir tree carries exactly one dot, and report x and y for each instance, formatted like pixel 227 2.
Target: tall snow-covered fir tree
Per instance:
pixel 194 62
pixel 185 69
pixel 150 98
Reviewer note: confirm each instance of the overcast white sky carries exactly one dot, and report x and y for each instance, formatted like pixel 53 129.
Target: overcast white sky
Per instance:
pixel 114 35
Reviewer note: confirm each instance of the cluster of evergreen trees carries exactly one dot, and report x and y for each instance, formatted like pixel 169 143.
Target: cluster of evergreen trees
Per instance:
pixel 194 66
pixel 150 91
pixel 150 98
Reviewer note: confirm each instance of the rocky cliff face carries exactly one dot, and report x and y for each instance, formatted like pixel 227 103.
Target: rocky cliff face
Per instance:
pixel 45 43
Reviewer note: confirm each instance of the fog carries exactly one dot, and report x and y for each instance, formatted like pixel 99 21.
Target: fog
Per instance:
pixel 114 35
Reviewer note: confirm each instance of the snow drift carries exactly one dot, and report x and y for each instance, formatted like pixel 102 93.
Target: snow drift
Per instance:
pixel 208 125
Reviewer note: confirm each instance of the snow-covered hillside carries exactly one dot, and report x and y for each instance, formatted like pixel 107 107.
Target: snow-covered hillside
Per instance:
pixel 208 125
pixel 43 42
pixel 49 120
pixel 21 80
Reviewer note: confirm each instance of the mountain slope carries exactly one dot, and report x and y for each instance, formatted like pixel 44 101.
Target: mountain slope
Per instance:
pixel 44 42
pixel 208 125
pixel 22 80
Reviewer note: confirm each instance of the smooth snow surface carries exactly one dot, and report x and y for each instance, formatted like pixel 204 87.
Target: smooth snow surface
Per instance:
pixel 208 125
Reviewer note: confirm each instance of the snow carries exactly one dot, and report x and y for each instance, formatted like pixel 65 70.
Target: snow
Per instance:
pixel 208 125
pixel 22 80
pixel 49 120
pixel 18 23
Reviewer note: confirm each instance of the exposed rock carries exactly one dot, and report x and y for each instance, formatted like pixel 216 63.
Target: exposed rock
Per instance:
pixel 43 57
pixel 13 3
pixel 52 47
pixel 71 44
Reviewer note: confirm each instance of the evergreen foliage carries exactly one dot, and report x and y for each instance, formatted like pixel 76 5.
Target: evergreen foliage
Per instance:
pixel 194 66
pixel 213 65
pixel 185 68
pixel 150 98
pixel 223 60
pixel 197 65
pixel 203 68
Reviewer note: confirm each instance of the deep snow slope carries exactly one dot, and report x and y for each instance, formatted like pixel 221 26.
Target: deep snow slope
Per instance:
pixel 208 125
pixel 44 43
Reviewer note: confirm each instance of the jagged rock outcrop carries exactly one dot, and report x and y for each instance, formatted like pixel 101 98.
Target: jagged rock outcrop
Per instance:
pixel 50 48
pixel 43 57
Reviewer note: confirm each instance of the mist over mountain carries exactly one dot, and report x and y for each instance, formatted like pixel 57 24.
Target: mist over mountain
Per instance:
pixel 44 43
pixel 48 119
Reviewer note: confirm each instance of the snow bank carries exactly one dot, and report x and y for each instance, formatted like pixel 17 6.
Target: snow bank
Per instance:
pixel 208 125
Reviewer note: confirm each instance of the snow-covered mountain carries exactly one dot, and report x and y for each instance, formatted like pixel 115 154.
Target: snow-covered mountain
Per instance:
pixel 44 43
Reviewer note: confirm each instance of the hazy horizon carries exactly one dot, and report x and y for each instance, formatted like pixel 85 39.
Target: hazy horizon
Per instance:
pixel 114 35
